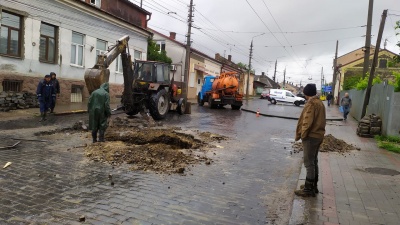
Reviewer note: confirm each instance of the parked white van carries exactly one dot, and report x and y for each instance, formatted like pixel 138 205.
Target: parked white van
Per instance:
pixel 278 95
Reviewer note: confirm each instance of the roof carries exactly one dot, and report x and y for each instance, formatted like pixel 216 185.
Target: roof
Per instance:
pixel 362 57
pixel 183 45
pixel 137 7
pixel 119 18
pixel 268 81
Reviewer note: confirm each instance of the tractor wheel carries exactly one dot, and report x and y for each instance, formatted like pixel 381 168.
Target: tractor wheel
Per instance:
pixel 199 100
pixel 235 107
pixel 212 106
pixel 159 104
pixel 181 106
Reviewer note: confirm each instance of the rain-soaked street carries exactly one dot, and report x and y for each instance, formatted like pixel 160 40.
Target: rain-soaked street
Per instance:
pixel 250 181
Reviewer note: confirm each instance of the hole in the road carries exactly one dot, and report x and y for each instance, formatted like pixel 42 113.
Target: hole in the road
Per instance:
pixel 382 171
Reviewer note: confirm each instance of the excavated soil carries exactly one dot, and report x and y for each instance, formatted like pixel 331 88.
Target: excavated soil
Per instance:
pixel 163 150
pixel 330 144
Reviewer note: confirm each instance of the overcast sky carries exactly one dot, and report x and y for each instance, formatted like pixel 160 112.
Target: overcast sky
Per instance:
pixel 228 26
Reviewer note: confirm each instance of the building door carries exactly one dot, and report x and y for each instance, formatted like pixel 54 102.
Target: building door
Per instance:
pixel 200 79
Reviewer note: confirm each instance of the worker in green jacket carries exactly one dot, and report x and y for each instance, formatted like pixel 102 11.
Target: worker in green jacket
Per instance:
pixel 99 111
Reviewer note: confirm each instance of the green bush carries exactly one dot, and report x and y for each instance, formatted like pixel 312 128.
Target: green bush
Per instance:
pixel 351 82
pixel 363 83
pixel 396 83
pixel 390 143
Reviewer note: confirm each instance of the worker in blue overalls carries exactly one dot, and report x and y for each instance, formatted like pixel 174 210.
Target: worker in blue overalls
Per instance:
pixel 46 94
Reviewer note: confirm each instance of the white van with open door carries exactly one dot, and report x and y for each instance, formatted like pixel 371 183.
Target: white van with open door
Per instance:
pixel 278 95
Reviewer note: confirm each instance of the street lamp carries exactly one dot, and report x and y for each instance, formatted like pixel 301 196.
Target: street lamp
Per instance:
pixel 250 56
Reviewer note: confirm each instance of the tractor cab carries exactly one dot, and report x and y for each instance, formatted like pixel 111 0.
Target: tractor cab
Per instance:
pixel 152 72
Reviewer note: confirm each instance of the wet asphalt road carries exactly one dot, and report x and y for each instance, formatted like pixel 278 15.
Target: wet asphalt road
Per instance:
pixel 251 181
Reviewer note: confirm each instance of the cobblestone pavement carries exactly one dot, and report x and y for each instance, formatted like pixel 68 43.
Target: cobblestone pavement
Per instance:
pixel 361 187
pixel 251 181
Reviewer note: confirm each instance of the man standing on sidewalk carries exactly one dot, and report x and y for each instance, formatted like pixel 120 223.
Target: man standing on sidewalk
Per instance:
pixel 346 104
pixel 99 111
pixel 56 85
pixel 46 95
pixel 311 130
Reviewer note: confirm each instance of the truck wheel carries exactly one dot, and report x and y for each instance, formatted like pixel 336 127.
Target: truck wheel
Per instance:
pixel 159 104
pixel 235 107
pixel 212 106
pixel 181 106
pixel 297 103
pixel 273 101
pixel 199 100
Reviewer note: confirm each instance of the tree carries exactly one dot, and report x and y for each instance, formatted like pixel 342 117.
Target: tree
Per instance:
pixel 244 67
pixel 154 53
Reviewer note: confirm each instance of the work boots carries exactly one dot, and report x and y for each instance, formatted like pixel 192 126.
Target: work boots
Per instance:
pixel 101 135
pixel 308 190
pixel 42 117
pixel 94 136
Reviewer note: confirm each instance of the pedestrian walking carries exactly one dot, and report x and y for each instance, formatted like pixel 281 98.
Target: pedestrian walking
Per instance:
pixel 346 105
pixel 46 95
pixel 311 131
pixel 329 97
pixel 56 85
pixel 99 111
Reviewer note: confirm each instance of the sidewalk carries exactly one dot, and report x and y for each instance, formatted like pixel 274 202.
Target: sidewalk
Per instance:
pixel 360 187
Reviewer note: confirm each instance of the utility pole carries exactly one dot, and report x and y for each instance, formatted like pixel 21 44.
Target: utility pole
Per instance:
pixel 276 63
pixel 141 3
pixel 335 73
pixel 322 78
pixel 368 39
pixel 248 74
pixel 374 62
pixel 188 42
pixel 284 79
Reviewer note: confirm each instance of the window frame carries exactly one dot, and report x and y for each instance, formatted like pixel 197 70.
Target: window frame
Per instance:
pixel 134 52
pixel 20 30
pixel 47 44
pixel 99 50
pixel 76 50
pixel 99 3
pixel 161 43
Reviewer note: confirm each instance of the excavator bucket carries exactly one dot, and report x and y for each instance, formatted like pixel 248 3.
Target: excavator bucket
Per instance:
pixel 95 77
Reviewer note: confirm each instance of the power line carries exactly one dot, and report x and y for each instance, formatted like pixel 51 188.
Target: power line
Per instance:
pixel 311 43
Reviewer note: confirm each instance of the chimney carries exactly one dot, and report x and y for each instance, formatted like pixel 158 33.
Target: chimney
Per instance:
pixel 217 56
pixel 229 58
pixel 262 73
pixel 172 35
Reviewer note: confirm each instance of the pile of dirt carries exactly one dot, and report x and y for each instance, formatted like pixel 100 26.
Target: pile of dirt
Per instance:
pixel 330 144
pixel 154 149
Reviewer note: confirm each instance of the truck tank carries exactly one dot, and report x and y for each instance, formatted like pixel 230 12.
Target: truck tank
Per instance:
pixel 227 82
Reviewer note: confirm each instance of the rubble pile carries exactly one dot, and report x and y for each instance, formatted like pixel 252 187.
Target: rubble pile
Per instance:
pixel 21 100
pixel 369 126
pixel 330 144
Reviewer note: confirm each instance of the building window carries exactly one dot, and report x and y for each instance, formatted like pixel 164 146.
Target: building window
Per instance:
pixel 118 67
pixel 138 55
pixel 12 85
pixel 77 49
pixel 383 63
pixel 10 34
pixel 161 46
pixel 96 2
pixel 101 47
pixel 76 93
pixel 47 48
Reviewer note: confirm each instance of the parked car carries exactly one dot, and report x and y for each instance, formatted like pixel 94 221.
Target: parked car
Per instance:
pixel 264 95
pixel 278 95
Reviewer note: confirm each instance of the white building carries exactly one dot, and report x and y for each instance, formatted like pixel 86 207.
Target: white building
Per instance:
pixel 65 36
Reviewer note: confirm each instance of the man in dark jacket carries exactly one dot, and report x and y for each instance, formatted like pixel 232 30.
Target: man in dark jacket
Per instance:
pixel 56 85
pixel 346 104
pixel 99 111
pixel 329 97
pixel 311 131
pixel 46 95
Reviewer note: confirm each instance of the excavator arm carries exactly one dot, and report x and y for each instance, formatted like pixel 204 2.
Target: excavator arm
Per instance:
pixel 100 73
